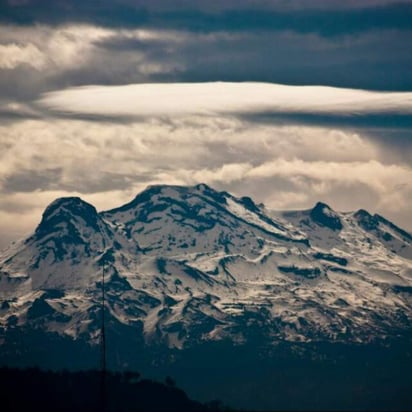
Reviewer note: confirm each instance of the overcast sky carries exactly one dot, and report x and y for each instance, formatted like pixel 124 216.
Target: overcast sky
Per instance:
pixel 289 102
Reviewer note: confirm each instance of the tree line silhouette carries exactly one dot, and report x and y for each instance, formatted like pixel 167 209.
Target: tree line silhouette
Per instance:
pixel 34 389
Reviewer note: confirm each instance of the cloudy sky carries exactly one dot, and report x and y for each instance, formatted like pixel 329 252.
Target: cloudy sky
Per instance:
pixel 289 102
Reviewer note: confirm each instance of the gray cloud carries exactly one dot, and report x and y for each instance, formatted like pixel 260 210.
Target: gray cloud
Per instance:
pixel 284 166
pixel 395 144
pixel 30 180
pixel 288 159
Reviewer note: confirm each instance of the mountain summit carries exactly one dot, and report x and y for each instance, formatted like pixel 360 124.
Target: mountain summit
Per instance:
pixel 189 265
pixel 323 215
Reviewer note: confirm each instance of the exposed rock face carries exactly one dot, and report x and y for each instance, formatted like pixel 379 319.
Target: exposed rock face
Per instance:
pixel 323 215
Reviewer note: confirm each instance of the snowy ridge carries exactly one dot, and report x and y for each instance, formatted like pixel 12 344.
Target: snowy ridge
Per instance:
pixel 190 264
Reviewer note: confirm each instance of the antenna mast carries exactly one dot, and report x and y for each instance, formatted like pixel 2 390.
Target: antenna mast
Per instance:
pixel 103 347
pixel 102 333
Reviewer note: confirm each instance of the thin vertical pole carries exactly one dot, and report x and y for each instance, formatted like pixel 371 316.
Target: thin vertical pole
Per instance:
pixel 103 334
pixel 103 348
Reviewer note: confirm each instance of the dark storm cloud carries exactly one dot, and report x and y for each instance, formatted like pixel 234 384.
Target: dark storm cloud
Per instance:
pixel 366 47
pixel 377 60
pixel 325 20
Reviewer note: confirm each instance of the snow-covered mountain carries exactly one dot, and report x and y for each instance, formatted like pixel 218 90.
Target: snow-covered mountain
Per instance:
pixel 188 265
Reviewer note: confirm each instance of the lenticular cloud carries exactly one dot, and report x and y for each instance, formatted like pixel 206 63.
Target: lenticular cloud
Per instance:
pixel 220 97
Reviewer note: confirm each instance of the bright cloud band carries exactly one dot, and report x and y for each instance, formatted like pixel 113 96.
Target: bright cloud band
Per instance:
pixel 220 97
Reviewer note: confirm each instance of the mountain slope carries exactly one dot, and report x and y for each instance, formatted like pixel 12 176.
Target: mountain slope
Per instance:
pixel 186 265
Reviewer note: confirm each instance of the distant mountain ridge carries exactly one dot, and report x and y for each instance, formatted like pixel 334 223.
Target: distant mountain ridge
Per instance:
pixel 189 265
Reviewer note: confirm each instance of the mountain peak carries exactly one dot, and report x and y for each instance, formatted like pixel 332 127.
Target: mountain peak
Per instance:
pixel 214 194
pixel 203 187
pixel 324 215
pixel 362 213
pixel 378 223
pixel 366 220
pixel 249 203
pixel 72 204
pixel 322 205
pixel 66 209
pixel 152 193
